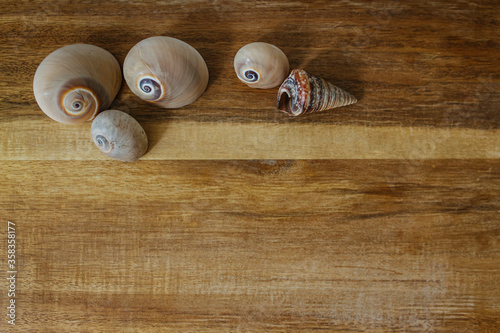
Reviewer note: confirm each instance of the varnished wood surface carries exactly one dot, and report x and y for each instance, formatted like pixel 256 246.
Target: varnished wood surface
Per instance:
pixel 379 217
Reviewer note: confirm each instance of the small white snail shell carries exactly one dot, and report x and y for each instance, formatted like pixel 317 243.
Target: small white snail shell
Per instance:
pixel 119 136
pixel 74 83
pixel 261 65
pixel 165 71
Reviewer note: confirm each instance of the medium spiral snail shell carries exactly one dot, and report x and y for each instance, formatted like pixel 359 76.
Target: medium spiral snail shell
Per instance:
pixel 119 136
pixel 261 65
pixel 165 71
pixel 303 93
pixel 74 83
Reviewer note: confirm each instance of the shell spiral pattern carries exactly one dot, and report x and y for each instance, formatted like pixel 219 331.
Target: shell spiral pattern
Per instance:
pixel 151 87
pixel 79 101
pixel 303 93
pixel 251 76
pixel 103 144
pixel 75 82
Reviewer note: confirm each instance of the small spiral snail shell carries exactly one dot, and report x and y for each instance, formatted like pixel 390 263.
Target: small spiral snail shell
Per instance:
pixel 74 83
pixel 119 136
pixel 261 65
pixel 303 93
pixel 165 71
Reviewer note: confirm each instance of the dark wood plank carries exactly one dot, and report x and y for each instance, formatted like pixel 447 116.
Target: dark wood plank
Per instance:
pixel 410 64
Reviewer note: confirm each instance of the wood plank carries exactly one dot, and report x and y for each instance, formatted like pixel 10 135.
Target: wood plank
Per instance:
pixel 256 245
pixel 410 64
pixel 191 140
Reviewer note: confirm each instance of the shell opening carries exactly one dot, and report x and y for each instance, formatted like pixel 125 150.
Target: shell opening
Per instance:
pixel 285 103
pixel 151 87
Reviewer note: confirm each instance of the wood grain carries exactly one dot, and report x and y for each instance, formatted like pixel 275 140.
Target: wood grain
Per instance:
pixel 190 140
pixel 378 217
pixel 263 245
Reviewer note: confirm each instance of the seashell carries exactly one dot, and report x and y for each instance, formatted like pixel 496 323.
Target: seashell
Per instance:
pixel 165 71
pixel 119 136
pixel 303 93
pixel 74 83
pixel 261 65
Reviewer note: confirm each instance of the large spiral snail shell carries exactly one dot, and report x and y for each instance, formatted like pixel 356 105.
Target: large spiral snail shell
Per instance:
pixel 119 136
pixel 74 83
pixel 261 65
pixel 165 71
pixel 303 93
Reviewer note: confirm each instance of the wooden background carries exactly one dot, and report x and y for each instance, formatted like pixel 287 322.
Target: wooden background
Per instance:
pixel 381 216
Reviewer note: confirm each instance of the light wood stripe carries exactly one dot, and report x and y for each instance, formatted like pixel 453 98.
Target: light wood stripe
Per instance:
pixel 46 140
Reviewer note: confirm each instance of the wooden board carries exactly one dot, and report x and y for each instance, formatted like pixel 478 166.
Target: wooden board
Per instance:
pixel 381 216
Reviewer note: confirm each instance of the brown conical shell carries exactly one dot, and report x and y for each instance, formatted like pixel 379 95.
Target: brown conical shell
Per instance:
pixel 303 93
